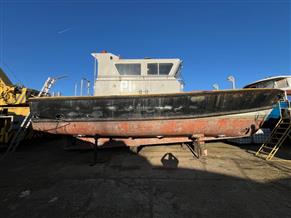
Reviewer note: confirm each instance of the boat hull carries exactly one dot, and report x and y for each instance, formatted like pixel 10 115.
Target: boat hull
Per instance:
pixel 214 114
pixel 221 126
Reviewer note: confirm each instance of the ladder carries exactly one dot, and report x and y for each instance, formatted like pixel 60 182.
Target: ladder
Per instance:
pixel 281 131
pixel 21 132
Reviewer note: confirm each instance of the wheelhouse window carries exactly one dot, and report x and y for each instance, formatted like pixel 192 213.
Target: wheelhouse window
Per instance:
pixel 159 68
pixel 153 69
pixel 283 83
pixel 264 84
pixel 128 69
pixel 164 69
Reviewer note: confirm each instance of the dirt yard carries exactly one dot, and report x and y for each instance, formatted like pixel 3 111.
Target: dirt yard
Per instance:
pixel 43 180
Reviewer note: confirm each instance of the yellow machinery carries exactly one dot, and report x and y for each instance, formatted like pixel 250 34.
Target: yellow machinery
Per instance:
pixel 13 107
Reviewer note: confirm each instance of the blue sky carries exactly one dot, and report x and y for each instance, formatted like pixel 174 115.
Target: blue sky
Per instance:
pixel 247 39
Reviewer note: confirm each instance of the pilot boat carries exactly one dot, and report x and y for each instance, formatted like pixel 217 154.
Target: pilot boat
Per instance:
pixel 143 99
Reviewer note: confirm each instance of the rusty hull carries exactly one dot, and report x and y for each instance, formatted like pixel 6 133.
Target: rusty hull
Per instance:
pixel 220 126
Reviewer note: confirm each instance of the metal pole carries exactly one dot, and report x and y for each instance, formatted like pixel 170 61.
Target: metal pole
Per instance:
pixel 76 88
pixel 81 88
pixel 215 86
pixel 95 73
pixel 88 87
pixel 232 80
pixel 233 84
